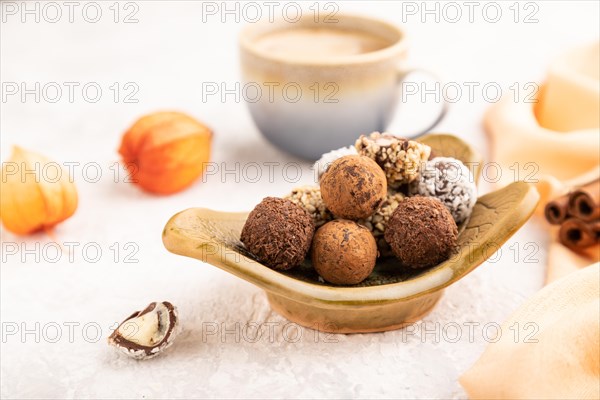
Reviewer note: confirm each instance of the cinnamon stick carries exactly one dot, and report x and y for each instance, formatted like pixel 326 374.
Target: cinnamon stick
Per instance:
pixel 592 253
pixel 584 202
pixel 578 234
pixel 556 211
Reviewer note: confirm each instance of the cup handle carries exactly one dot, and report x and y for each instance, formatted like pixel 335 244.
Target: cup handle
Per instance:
pixel 401 77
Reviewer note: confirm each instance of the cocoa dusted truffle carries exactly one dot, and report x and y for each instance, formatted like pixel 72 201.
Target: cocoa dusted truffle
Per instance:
pixel 451 182
pixel 323 163
pixel 421 232
pixel 401 159
pixel 353 187
pixel 344 252
pixel 278 233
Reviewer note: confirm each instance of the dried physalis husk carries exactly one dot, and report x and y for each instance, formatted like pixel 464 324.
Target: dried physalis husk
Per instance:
pixel 36 193
pixel 145 334
pixel 166 152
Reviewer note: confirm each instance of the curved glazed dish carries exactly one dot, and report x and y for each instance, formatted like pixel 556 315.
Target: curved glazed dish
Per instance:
pixel 389 298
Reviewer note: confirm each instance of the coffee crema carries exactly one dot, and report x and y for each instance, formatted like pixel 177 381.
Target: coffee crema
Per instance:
pixel 319 43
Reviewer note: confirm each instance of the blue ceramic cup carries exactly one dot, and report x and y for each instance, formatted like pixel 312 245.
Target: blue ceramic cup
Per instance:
pixel 317 85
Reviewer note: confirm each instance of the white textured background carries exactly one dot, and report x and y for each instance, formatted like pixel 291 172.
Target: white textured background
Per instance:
pixel 168 54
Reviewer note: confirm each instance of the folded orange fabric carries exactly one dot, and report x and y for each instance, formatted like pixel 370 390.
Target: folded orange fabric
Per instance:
pixel 564 360
pixel 542 155
pixel 571 92
pixel 555 141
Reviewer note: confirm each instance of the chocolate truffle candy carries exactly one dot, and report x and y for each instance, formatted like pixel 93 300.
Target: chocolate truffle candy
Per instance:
pixel 401 159
pixel 344 252
pixel 309 198
pixel 421 232
pixel 451 182
pixel 353 187
pixel 377 222
pixel 323 163
pixel 278 233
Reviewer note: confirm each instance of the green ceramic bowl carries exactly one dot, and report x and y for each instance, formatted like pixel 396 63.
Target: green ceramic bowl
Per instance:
pixel 390 297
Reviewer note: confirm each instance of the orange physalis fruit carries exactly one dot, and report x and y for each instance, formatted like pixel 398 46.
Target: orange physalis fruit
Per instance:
pixel 165 152
pixel 36 193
